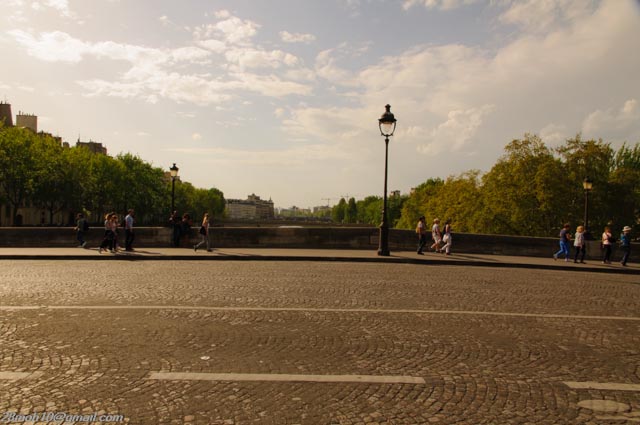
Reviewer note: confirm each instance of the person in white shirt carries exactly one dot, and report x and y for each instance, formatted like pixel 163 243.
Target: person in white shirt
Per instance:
pixel 128 230
pixel 579 245
pixel 421 230
pixel 436 235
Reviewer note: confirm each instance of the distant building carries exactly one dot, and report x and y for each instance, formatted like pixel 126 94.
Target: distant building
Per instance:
pixel 5 114
pixel 29 121
pixel 252 208
pixel 322 209
pixel 294 212
pixel 94 147
pixel 29 214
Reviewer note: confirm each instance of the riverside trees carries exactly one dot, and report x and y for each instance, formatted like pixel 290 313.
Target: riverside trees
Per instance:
pixel 533 189
pixel 35 170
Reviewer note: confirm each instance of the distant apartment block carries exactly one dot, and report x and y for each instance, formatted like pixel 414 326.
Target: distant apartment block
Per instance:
pixel 29 121
pixel 252 208
pixel 94 147
pixel 322 209
pixel 5 114
pixel 29 214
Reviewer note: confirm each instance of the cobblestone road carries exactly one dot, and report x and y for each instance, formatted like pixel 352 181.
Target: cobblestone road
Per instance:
pixel 492 346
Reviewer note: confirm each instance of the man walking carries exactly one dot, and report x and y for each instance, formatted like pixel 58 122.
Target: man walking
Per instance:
pixel 176 223
pixel 625 241
pixel 81 227
pixel 421 230
pixel 128 230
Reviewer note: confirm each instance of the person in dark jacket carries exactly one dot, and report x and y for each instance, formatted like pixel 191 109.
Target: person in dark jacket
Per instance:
pixel 625 244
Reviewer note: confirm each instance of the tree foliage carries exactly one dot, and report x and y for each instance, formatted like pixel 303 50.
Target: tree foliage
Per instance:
pixel 35 170
pixel 533 189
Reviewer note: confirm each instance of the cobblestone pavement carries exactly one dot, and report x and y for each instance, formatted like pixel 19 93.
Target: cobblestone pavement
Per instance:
pixel 493 346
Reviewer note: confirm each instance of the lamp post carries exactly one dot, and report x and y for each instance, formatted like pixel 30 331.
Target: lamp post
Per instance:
pixel 174 173
pixel 587 185
pixel 387 124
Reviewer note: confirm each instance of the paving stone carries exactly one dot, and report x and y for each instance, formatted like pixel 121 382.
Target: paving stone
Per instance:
pixel 317 318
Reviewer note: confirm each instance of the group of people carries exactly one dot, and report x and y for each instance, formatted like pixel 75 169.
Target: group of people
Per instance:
pixel 442 239
pixel 111 224
pixel 182 227
pixel 607 242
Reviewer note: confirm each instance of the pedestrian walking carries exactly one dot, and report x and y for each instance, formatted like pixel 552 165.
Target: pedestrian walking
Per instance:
pixel 580 245
pixel 421 231
pixel 113 226
pixel 82 226
pixel 625 242
pixel 565 238
pixel 204 234
pixel 447 238
pixel 436 235
pixel 607 244
pixel 176 223
pixel 128 230
pixel 107 241
pixel 185 227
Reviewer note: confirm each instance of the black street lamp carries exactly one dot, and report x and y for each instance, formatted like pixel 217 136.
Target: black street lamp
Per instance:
pixel 174 174
pixel 387 124
pixel 587 185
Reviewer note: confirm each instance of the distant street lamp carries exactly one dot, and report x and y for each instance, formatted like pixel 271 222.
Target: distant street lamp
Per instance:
pixel 174 174
pixel 387 124
pixel 587 185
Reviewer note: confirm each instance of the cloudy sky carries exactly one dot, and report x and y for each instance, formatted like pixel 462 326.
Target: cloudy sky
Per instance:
pixel 281 98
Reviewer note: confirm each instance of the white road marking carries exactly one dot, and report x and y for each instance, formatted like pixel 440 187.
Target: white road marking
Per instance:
pixel 12 376
pixel 318 310
pixel 609 386
pixel 234 377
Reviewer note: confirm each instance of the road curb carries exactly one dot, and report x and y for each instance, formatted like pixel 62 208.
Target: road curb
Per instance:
pixel 388 260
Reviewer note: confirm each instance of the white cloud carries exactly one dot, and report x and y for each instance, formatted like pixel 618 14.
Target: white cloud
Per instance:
pixel 456 132
pixel 437 4
pixel 214 45
pixel 288 37
pixel 142 134
pixel 232 29
pixel 327 67
pixel 196 136
pixel 290 157
pixel 246 58
pixel 62 6
pixel 624 122
pixel 441 94
pixel 52 46
pixel 151 76
pixel 164 20
pixel 542 15
pixel 554 134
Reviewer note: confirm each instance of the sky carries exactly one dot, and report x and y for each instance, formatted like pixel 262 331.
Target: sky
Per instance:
pixel 281 98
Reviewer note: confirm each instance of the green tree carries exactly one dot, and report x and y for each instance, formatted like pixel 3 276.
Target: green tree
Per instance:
pixel 351 211
pixel 370 210
pixel 593 159
pixel 421 201
pixel 339 211
pixel 525 191
pixel 19 166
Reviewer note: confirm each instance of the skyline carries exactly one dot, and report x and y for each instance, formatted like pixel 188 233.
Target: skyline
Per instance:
pixel 269 99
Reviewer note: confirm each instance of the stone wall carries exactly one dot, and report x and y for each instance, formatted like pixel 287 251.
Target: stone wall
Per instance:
pixel 300 237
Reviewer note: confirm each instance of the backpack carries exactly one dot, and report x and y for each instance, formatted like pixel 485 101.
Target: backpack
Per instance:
pixel 85 226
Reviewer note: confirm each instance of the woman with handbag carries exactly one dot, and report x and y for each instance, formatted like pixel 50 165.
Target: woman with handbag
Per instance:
pixel 447 238
pixel 607 242
pixel 204 234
